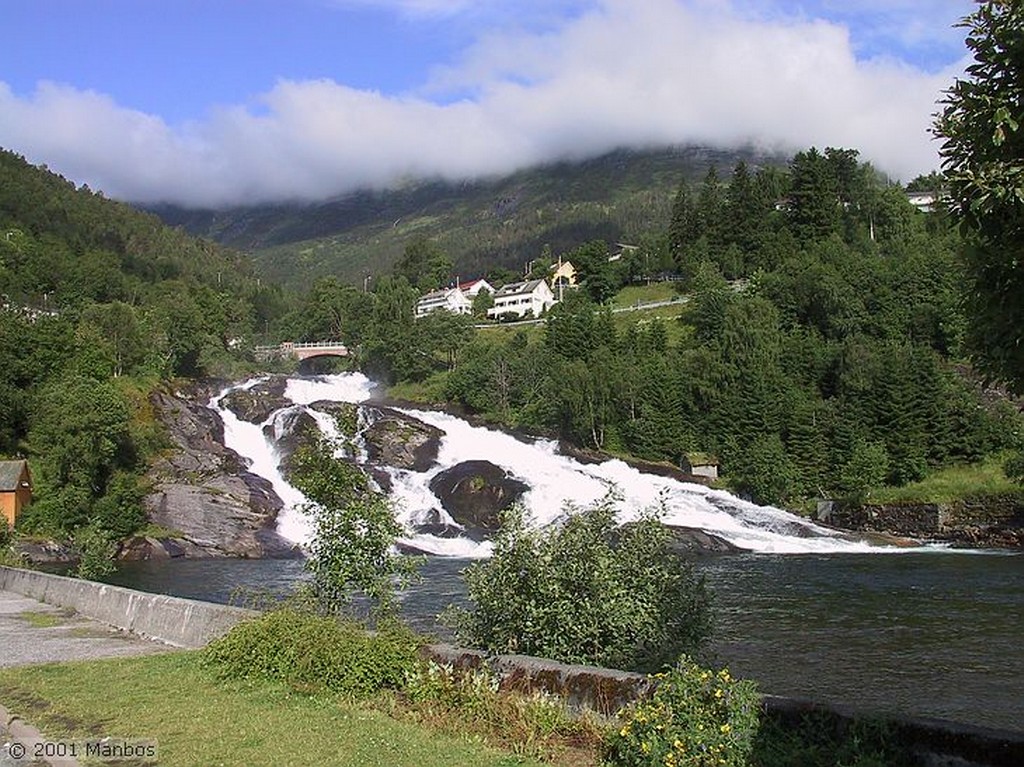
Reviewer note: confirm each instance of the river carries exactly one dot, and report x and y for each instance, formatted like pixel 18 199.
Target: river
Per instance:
pixel 937 634
pixel 804 611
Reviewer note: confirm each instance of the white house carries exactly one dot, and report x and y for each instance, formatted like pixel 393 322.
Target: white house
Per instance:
pixel 450 299
pixel 455 300
pixel 925 201
pixel 518 298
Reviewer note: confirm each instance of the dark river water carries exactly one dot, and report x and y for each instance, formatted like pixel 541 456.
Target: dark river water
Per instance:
pixel 936 634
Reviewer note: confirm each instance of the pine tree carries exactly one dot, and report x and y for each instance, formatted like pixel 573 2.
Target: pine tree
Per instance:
pixel 813 197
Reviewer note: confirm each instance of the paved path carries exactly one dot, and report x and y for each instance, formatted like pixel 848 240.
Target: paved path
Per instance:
pixel 34 632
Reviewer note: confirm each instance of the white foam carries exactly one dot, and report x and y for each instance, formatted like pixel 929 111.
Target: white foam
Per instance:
pixel 555 481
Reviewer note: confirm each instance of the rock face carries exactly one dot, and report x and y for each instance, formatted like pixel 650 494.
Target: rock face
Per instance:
pixel 395 439
pixel 257 403
pixel 291 430
pixel 204 492
pixel 475 493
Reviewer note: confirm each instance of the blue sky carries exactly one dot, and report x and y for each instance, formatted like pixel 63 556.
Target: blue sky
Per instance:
pixel 218 102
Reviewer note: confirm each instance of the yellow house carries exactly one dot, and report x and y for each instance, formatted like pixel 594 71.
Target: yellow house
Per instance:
pixel 15 489
pixel 563 275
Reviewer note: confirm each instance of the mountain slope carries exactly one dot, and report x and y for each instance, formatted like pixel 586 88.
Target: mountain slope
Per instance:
pixel 480 224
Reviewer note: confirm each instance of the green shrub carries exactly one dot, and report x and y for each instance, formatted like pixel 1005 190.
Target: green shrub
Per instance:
pixel 8 556
pixel 588 591
pixel 96 549
pixel 694 718
pixel 313 652
pixel 1014 467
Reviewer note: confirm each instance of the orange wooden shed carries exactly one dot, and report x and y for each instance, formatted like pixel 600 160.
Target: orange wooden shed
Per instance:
pixel 15 489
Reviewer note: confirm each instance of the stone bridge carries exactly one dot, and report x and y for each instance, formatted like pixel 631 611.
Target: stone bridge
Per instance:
pixel 301 351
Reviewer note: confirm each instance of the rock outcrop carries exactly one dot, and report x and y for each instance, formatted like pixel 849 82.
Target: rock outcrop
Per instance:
pixel 475 493
pixel 399 440
pixel 256 403
pixel 686 540
pixel 204 494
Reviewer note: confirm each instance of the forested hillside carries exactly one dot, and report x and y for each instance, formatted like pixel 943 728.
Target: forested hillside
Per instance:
pixel 833 363
pixel 100 302
pixel 820 352
pixel 480 225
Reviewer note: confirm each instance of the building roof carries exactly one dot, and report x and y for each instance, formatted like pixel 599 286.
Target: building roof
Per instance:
pixel 518 288
pixel 436 295
pixel 10 474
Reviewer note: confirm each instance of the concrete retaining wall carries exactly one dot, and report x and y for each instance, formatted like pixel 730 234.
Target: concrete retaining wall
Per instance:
pixel 602 690
pixel 178 622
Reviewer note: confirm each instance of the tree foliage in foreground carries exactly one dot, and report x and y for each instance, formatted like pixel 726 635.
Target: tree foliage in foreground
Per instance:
pixel 586 591
pixel 354 532
pixel 983 156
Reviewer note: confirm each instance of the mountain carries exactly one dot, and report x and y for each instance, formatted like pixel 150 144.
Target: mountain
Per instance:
pixel 70 246
pixel 480 224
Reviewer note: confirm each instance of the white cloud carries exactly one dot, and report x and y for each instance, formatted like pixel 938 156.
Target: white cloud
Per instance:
pixel 627 73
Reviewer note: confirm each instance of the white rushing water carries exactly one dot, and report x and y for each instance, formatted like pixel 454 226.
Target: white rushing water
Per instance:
pixel 555 480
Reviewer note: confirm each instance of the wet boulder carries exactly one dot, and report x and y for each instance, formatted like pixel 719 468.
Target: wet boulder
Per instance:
pixel 398 440
pixel 291 430
pixel 256 403
pixel 687 540
pixel 435 522
pixel 475 493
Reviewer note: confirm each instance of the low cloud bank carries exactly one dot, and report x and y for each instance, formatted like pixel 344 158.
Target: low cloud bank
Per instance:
pixel 625 74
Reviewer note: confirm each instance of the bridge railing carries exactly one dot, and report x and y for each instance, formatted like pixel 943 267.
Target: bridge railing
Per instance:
pixel 314 345
pixel 289 348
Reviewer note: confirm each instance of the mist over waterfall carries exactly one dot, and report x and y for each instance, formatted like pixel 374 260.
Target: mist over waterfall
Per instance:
pixel 554 482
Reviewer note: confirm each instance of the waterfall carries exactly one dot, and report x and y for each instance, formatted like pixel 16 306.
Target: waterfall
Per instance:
pixel 554 481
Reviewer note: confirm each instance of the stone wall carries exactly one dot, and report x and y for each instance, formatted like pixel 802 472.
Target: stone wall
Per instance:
pixel 996 521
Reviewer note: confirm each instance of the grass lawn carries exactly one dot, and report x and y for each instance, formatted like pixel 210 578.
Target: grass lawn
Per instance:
pixel 429 391
pixel 975 480
pixel 656 291
pixel 676 332
pixel 196 719
pixel 504 332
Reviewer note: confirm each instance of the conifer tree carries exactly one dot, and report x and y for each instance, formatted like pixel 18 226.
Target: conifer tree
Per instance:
pixel 813 197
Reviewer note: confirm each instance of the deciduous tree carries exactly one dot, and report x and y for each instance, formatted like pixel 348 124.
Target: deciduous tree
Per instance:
pixel 983 158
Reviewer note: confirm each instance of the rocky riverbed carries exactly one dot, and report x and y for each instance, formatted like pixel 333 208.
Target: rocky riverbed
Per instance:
pixel 208 501
pixel 203 493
